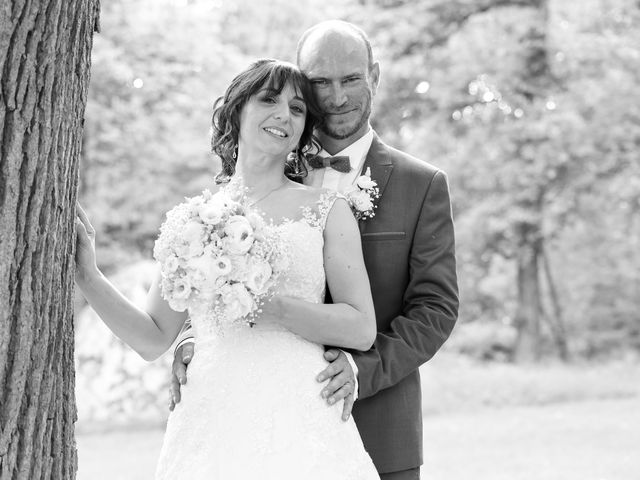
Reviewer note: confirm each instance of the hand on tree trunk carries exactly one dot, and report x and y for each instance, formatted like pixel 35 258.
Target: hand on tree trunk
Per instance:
pixel 85 246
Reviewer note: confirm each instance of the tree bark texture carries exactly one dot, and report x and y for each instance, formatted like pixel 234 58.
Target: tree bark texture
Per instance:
pixel 45 48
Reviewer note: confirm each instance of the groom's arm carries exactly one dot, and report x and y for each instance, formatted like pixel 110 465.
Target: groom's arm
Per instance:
pixel 430 300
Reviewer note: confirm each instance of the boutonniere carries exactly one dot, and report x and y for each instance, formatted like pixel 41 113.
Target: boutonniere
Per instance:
pixel 362 196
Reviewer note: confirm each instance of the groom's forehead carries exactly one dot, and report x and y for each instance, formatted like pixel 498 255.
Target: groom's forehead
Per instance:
pixel 334 62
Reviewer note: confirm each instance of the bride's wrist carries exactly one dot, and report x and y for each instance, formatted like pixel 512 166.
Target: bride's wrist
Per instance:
pixel 273 309
pixel 87 277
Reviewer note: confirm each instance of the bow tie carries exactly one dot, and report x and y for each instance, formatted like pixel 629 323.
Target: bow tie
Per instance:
pixel 340 163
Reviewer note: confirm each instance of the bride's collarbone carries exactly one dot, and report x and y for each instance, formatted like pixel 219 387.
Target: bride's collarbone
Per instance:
pixel 289 206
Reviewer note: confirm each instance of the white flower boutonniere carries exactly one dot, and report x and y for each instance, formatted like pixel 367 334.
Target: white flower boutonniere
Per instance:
pixel 362 196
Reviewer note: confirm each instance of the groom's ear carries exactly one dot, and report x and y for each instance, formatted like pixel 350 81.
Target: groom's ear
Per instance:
pixel 374 77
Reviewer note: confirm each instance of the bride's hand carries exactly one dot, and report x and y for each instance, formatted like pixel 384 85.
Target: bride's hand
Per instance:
pixel 85 245
pixel 270 310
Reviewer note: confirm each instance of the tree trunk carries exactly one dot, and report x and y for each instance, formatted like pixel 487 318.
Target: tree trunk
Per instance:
pixel 556 320
pixel 527 318
pixel 536 82
pixel 45 51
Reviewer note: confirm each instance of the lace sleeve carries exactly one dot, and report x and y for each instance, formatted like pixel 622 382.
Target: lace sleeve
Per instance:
pixel 317 215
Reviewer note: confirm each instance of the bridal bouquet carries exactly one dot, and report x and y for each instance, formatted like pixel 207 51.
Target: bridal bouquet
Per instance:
pixel 216 254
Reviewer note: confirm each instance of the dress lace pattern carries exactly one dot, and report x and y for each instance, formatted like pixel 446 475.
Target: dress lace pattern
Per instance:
pixel 252 407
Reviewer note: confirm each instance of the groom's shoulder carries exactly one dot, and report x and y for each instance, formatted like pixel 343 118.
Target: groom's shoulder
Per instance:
pixel 410 165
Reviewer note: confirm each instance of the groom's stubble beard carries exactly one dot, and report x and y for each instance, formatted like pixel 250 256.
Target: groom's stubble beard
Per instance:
pixel 342 135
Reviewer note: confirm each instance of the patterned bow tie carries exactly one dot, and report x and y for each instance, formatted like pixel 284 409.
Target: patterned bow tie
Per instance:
pixel 340 164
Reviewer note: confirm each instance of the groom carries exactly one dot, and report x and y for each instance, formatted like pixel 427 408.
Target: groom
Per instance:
pixel 408 250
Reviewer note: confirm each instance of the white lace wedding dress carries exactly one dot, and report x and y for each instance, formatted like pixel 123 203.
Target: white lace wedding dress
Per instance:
pixel 251 408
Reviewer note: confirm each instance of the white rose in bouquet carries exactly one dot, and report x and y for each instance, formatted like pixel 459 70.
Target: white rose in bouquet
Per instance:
pixel 255 219
pixel 171 264
pixel 223 265
pixel 239 235
pixel 239 268
pixel 193 236
pixel 259 275
pixel 207 274
pixel 161 251
pixel 181 249
pixel 211 213
pixel 182 288
pixel 179 292
pixel 237 300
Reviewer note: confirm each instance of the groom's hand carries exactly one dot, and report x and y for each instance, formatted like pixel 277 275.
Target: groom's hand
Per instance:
pixel 342 381
pixel 181 358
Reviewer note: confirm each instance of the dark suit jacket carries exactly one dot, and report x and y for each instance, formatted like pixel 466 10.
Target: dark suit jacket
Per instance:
pixel 409 253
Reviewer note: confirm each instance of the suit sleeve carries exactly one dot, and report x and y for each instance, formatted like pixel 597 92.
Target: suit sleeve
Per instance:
pixel 185 336
pixel 430 304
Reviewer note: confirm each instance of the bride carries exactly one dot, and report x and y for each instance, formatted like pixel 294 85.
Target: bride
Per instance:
pixel 251 407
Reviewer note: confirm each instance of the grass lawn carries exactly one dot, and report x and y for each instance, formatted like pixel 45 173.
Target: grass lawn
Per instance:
pixel 481 422
pixel 593 440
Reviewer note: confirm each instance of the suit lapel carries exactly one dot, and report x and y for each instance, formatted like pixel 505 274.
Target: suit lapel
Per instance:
pixel 381 166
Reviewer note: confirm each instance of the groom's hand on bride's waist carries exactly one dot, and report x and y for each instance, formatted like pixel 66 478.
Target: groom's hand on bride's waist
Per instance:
pixel 181 358
pixel 343 381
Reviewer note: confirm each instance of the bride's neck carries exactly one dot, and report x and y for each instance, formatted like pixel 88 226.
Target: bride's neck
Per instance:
pixel 261 173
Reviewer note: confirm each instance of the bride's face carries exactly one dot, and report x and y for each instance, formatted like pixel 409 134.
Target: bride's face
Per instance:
pixel 272 122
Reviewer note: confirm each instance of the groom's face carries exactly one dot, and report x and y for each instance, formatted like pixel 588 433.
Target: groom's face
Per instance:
pixel 343 81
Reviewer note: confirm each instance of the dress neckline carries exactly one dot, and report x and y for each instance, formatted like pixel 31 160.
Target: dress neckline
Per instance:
pixel 310 216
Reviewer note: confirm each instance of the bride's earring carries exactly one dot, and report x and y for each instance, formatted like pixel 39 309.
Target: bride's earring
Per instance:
pixel 298 159
pixel 235 152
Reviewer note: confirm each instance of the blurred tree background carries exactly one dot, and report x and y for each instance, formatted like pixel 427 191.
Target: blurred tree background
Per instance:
pixel 531 107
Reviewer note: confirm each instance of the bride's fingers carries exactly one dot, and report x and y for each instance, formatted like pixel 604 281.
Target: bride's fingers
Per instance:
pixel 84 243
pixel 84 240
pixel 84 219
pixel 80 228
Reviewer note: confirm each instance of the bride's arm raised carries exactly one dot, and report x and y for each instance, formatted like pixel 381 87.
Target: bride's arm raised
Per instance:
pixel 350 321
pixel 150 332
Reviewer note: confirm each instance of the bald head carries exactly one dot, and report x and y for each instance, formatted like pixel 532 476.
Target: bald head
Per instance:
pixel 336 57
pixel 326 36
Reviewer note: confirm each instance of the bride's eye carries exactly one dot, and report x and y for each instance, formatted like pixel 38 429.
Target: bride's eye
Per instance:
pixel 299 109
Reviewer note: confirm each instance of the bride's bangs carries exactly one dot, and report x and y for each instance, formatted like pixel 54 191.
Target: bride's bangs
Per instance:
pixel 282 74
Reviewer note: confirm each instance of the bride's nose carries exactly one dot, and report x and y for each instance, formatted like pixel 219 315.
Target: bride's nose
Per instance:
pixel 281 111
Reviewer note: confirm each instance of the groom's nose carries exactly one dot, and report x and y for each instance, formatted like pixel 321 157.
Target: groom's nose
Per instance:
pixel 337 95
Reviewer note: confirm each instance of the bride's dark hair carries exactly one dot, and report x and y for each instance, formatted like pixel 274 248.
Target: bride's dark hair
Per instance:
pixel 273 74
